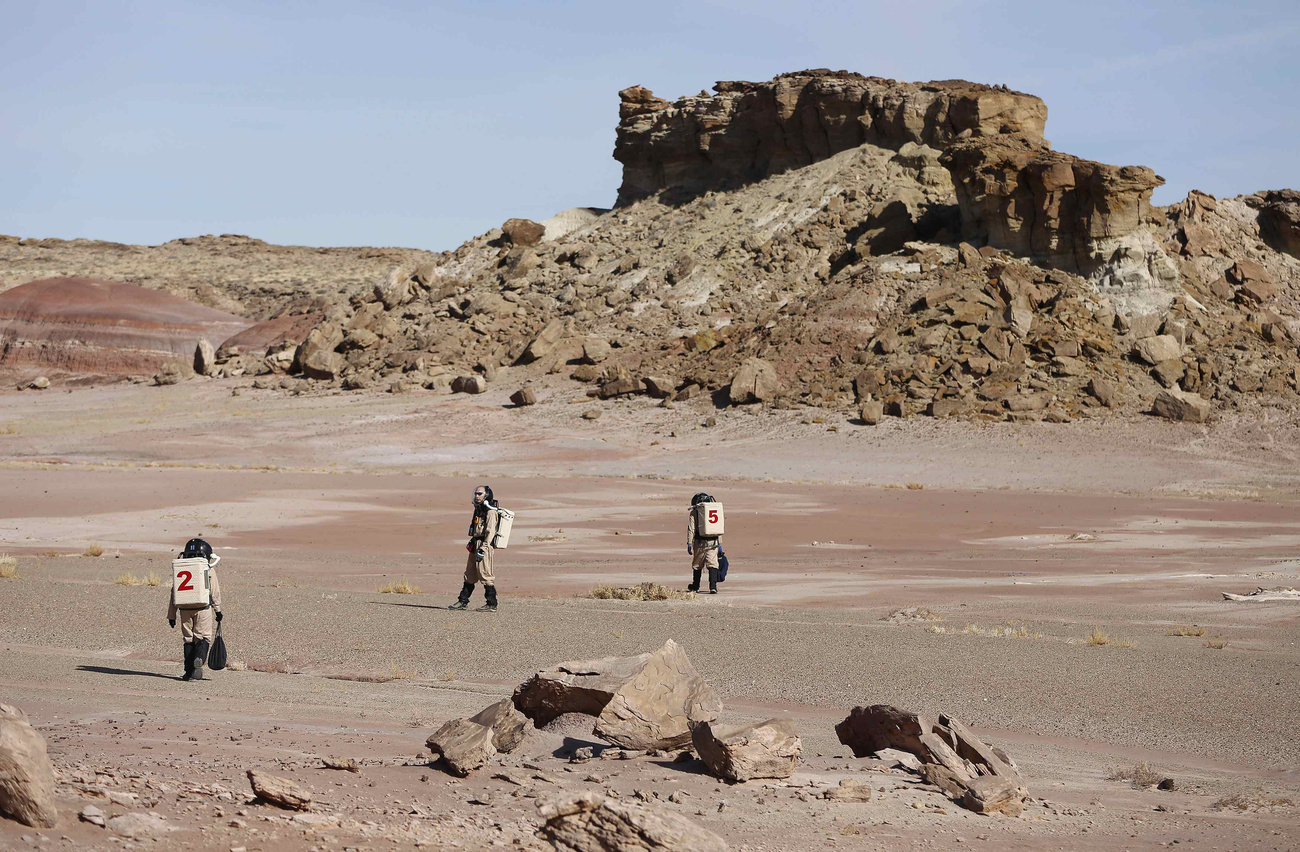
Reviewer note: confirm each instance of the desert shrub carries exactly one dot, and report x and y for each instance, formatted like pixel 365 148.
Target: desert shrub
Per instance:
pixel 153 579
pixel 1140 775
pixel 128 579
pixel 8 566
pixel 640 592
pixel 1098 637
pixel 1186 630
pixel 94 550
pixel 401 587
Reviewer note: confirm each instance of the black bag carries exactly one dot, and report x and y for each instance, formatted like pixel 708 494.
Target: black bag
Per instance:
pixel 217 656
pixel 723 565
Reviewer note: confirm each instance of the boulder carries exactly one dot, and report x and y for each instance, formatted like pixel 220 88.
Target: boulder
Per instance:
pixel 659 387
pixel 522 232
pixel 395 291
pixel 580 686
pixel 755 381
pixel 141 826
pixel 621 386
pixel 849 790
pixel 26 776
pixel 468 384
pixel 464 745
pixel 321 364
pixel 524 396
pixel 277 791
pixel 172 372
pixel 546 340
pixel 1162 347
pixel 359 338
pixel 995 794
pixel 872 412
pixel 1174 404
pixel 1255 283
pixel 866 730
pixel 590 822
pixel 39 383
pixel 767 750
pixel 1106 391
pixel 657 705
pixel 595 350
pixel 509 726
pixel 205 358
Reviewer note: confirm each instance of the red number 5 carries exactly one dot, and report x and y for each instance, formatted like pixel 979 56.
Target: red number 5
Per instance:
pixel 185 576
pixel 713 516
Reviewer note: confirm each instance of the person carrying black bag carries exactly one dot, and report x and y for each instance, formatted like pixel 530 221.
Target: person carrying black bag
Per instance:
pixel 196 600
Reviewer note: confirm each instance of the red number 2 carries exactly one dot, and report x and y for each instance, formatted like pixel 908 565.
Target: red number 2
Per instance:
pixel 713 516
pixel 185 576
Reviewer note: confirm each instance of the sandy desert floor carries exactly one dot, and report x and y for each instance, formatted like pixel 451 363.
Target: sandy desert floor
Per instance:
pixel 1022 540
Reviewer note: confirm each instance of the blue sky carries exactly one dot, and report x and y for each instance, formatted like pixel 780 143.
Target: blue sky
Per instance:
pixel 422 124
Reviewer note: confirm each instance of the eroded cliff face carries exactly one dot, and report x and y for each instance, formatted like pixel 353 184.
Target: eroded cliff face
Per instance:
pixel 1065 212
pixel 748 131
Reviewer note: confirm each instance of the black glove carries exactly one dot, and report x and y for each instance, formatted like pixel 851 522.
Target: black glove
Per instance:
pixel 219 614
pixel 479 554
pixel 171 622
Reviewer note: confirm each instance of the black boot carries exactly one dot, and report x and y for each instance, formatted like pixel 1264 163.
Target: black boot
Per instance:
pixel 462 602
pixel 491 593
pixel 200 657
pixel 189 661
pixel 695 582
pixel 713 580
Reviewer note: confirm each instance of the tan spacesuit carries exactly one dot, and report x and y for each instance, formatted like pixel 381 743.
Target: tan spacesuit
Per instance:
pixel 703 549
pixel 198 623
pixel 478 564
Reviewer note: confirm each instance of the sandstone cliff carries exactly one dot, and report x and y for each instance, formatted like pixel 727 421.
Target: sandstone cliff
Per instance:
pixel 748 131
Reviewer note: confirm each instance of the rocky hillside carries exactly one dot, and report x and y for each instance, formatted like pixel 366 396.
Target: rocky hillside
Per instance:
pixel 824 239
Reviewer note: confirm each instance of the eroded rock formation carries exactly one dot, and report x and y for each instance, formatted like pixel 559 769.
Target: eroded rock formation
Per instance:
pixel 93 326
pixel 748 131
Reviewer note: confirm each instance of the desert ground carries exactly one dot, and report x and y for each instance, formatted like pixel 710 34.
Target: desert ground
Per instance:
pixel 1052 580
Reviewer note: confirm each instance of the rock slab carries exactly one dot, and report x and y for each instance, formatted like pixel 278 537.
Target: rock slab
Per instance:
pixel 768 750
pixel 590 822
pixel 26 776
pixel 277 791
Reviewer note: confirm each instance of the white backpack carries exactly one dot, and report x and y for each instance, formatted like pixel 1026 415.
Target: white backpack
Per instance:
pixel 505 520
pixel 191 583
pixel 708 520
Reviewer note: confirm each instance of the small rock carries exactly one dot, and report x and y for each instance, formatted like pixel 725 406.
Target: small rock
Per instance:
pixel 1174 404
pixel 280 792
pixel 591 414
pixel 469 384
pixel 92 815
pixel 524 396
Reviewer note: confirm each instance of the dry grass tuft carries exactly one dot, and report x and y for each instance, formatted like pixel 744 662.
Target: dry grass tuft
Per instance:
pixel 915 486
pixel 1126 643
pixel 912 615
pixel 1009 629
pixel 1098 637
pixel 1186 630
pixel 401 587
pixel 94 550
pixel 398 673
pixel 153 579
pixel 640 592
pixel 8 567
pixel 128 579
pixel 1252 800
pixel 1141 775
pixel 1217 642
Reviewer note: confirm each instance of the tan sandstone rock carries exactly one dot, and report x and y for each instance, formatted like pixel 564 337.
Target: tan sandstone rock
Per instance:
pixel 1174 404
pixel 26 776
pixel 755 381
pixel 464 745
pixel 767 750
pixel 277 791
pixel 657 705
pixel 591 822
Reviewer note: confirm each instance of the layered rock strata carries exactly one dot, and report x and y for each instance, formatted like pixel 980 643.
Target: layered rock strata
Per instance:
pixel 92 326
pixel 748 131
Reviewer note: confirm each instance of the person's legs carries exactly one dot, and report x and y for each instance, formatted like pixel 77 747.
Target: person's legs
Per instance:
pixel 187 621
pixel 467 587
pixel 205 625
